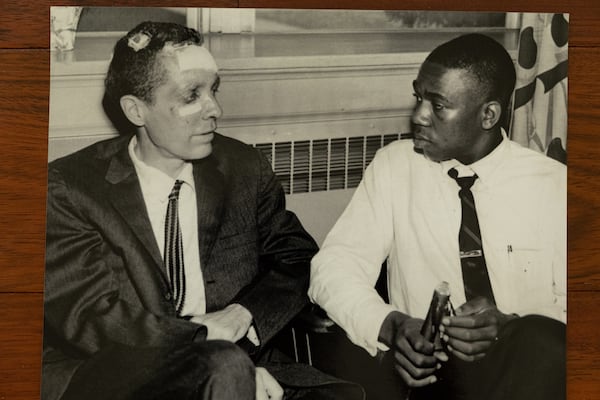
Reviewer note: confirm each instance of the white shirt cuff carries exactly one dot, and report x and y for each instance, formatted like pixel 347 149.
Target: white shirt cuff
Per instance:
pixel 252 336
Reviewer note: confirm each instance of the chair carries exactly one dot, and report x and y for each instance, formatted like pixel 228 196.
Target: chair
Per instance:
pixel 318 341
pixel 556 151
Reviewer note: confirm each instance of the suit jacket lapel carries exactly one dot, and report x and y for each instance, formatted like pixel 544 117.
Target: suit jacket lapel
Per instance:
pixel 210 197
pixel 126 196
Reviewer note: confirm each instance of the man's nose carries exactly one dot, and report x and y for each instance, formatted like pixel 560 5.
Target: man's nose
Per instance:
pixel 421 114
pixel 211 108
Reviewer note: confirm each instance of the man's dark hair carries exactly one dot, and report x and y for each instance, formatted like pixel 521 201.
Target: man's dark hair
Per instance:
pixel 134 69
pixel 485 58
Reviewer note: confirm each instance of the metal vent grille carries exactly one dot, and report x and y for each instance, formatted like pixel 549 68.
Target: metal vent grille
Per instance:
pixel 324 164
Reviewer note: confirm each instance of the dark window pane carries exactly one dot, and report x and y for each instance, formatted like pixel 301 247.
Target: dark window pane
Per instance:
pixel 119 19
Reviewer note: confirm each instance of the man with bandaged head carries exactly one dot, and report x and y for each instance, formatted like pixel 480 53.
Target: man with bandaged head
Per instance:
pixel 171 259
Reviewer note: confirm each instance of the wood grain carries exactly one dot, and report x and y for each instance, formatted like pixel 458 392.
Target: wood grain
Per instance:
pixel 24 124
pixel 21 345
pixel 24 77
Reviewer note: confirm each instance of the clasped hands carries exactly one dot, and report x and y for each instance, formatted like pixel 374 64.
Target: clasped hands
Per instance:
pixel 468 336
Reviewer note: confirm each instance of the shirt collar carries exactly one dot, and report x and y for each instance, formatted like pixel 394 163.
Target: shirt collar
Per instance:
pixel 155 183
pixel 485 167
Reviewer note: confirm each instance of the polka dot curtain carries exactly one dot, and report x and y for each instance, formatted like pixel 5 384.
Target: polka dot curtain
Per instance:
pixel 539 119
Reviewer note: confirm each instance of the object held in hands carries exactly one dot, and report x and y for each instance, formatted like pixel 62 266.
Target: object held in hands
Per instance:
pixel 440 306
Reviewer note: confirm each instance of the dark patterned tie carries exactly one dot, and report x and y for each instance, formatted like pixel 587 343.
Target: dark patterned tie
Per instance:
pixel 472 259
pixel 173 254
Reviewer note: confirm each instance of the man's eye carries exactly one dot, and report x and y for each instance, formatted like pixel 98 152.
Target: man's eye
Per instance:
pixel 191 98
pixel 438 106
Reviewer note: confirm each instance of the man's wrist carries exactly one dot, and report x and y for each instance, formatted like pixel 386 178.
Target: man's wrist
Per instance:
pixel 512 316
pixel 244 313
pixel 389 327
pixel 251 334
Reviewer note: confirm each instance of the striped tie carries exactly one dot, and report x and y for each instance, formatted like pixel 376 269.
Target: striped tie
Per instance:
pixel 472 259
pixel 173 254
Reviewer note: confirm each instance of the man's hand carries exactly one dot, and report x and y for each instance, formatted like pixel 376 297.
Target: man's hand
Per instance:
pixel 266 386
pixel 474 329
pixel 230 323
pixel 415 360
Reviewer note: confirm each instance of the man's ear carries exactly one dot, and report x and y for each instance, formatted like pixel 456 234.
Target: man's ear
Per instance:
pixel 491 113
pixel 134 109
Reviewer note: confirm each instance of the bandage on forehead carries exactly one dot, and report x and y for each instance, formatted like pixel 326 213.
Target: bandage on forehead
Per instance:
pixel 193 57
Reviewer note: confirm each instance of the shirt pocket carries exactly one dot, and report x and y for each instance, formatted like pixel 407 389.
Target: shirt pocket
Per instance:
pixel 522 259
pixel 530 274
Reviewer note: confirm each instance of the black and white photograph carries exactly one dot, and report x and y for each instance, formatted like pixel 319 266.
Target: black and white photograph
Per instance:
pixel 306 204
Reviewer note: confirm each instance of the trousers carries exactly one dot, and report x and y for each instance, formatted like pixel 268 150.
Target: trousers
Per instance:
pixel 527 362
pixel 204 370
pixel 210 370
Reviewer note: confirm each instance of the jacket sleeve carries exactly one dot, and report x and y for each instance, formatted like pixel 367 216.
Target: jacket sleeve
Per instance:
pixel 285 250
pixel 89 298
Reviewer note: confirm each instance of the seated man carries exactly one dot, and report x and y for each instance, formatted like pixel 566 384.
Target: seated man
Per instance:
pixel 465 205
pixel 171 258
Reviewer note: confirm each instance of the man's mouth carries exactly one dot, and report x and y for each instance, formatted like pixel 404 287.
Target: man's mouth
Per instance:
pixel 419 138
pixel 211 129
pixel 205 137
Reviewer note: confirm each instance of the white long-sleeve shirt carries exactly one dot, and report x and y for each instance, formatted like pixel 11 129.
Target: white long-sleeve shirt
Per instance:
pixel 156 187
pixel 407 210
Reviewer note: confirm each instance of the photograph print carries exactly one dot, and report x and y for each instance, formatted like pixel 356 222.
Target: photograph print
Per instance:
pixel 306 204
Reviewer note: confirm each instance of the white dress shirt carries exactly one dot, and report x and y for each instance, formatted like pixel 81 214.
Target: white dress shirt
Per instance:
pixel 156 187
pixel 407 209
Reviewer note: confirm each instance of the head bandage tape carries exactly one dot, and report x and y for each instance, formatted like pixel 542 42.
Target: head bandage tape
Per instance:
pixel 139 41
pixel 189 57
pixel 194 57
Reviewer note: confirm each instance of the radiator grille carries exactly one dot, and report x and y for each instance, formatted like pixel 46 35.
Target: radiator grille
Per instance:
pixel 324 164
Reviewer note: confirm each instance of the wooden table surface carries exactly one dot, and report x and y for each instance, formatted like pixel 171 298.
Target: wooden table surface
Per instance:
pixel 24 84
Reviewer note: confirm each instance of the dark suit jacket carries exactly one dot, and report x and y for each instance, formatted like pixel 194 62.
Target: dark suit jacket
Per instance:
pixel 105 280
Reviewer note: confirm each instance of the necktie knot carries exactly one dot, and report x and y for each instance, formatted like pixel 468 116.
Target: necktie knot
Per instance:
pixel 465 182
pixel 174 195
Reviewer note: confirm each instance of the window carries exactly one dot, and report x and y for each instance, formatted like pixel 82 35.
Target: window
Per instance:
pixel 292 32
pixel 244 33
pixel 122 19
pixel 278 21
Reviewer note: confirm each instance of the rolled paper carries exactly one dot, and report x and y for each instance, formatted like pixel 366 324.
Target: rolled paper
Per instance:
pixel 439 307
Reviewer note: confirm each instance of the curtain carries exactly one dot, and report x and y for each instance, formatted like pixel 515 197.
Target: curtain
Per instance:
pixel 539 118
